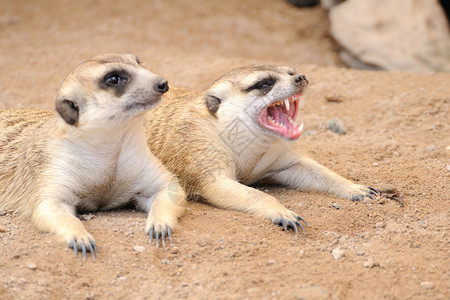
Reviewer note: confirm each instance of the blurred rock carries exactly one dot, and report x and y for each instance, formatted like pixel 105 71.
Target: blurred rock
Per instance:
pixel 427 285
pixel 335 125
pixel 405 35
pixel 337 253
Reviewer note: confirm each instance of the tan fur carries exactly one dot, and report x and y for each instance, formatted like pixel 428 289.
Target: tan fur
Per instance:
pixel 93 155
pixel 197 141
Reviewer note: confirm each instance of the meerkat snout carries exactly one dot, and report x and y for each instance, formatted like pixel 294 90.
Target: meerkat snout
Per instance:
pixel 162 86
pixel 301 80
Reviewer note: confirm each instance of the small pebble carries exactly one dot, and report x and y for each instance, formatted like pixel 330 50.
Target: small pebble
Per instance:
pixel 423 224
pixel 337 253
pixel 87 217
pixel 2 229
pixel 375 164
pixel 31 265
pixel 122 278
pixel 337 205
pixel 139 248
pixel 380 225
pixel 202 242
pixel 335 125
pixel 360 252
pixel 165 261
pixel 271 262
pixel 430 148
pixel 370 263
pixel 427 285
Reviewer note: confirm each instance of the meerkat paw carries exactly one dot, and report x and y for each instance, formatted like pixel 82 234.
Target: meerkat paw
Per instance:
pixel 83 243
pixel 361 191
pixel 159 231
pixel 290 220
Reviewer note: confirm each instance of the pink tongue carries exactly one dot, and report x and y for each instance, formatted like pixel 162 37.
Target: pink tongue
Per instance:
pixel 276 112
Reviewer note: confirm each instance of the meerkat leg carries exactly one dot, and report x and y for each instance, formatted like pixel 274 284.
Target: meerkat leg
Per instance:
pixel 226 192
pixel 59 218
pixel 163 213
pixel 301 172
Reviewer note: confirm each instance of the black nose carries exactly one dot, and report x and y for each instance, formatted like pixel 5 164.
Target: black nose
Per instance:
pixel 162 86
pixel 301 80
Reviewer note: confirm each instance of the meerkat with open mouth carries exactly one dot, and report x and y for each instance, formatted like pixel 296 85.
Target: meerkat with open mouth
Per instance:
pixel 91 154
pixel 238 132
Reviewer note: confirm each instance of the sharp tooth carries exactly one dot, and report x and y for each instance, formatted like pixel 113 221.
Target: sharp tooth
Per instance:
pixel 286 104
pixel 301 127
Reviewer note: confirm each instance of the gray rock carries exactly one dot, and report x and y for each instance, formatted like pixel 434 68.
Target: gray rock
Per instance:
pixel 406 35
pixel 335 125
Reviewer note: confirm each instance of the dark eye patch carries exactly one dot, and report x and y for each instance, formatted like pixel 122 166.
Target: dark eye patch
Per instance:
pixel 115 81
pixel 264 85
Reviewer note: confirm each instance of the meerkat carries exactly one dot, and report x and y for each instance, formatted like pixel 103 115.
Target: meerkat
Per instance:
pixel 90 154
pixel 239 132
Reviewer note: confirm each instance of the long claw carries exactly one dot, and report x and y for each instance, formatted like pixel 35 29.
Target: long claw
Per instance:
pixel 163 238
pixel 357 198
pixel 83 250
pixel 75 247
pixel 91 250
pixel 303 220
pixel 94 245
pixel 150 235
pixel 169 234
pixel 283 223
pixel 301 226
pixel 373 191
pixel 294 226
pixel 157 239
pixel 370 196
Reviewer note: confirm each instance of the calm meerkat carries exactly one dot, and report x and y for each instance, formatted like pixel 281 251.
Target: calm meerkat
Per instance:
pixel 237 133
pixel 91 154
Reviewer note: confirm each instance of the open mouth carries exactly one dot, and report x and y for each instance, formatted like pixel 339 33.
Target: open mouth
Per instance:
pixel 279 117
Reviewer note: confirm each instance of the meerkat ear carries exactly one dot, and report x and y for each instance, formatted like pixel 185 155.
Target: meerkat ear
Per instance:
pixel 68 110
pixel 212 103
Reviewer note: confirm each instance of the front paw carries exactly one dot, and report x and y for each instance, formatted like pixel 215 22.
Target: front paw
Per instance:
pixel 83 244
pixel 361 191
pixel 290 220
pixel 159 232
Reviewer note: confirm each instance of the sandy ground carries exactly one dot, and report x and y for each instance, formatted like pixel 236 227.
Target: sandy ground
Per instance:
pixel 398 134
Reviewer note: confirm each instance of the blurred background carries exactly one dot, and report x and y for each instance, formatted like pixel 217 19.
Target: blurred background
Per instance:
pixel 193 42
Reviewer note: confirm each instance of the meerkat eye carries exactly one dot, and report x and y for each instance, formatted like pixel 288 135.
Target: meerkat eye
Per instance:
pixel 264 85
pixel 113 79
pixel 291 73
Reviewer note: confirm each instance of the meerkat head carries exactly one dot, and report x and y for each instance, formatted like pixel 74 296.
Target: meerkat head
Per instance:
pixel 108 88
pixel 265 95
